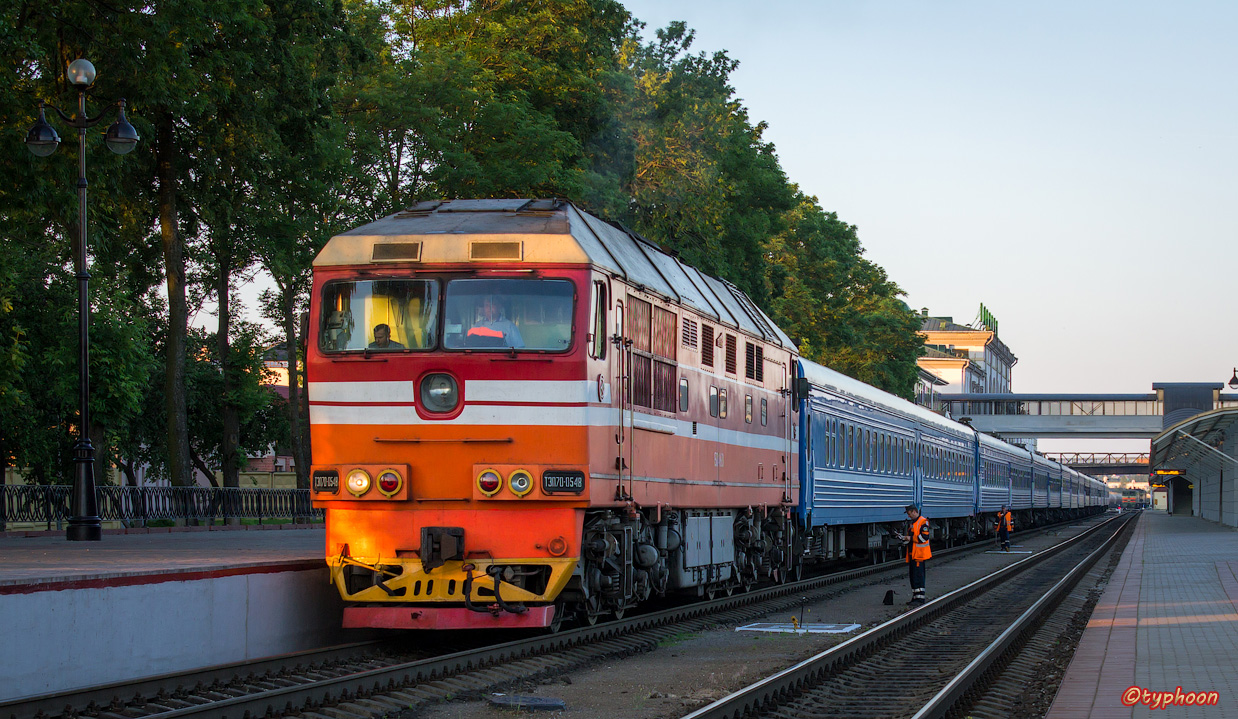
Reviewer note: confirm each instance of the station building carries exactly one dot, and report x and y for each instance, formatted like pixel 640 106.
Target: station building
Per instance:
pixel 970 358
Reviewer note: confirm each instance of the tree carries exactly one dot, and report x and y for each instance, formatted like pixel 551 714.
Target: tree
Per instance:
pixel 840 308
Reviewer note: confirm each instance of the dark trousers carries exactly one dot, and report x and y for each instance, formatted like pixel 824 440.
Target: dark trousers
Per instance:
pixel 1003 536
pixel 915 570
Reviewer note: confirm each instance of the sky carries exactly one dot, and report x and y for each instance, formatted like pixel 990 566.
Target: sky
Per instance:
pixel 1069 164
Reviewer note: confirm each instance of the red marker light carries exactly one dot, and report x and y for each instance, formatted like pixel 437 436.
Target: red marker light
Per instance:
pixel 388 483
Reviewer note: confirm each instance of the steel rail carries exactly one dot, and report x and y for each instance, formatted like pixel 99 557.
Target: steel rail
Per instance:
pixel 104 694
pixel 957 688
pixel 278 701
pixel 789 682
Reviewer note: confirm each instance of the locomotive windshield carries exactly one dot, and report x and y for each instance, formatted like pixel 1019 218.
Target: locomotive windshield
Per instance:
pixel 379 315
pixel 501 313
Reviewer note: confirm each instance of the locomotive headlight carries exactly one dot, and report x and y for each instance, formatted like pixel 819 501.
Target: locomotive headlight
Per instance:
pixel 358 482
pixel 489 482
pixel 439 393
pixel 520 482
pixel 389 482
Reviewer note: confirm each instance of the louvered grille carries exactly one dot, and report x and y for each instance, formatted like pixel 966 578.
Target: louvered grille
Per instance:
pixel 689 333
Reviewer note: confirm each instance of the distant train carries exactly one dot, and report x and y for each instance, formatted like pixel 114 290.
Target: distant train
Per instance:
pixel 521 413
pixel 1133 499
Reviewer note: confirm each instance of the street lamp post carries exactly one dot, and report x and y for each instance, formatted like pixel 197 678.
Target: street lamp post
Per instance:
pixel 42 140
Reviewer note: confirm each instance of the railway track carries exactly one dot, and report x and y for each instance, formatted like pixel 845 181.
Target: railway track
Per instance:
pixel 372 679
pixel 936 660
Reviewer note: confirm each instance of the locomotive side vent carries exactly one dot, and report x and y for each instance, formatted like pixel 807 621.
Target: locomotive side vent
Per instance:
pixel 496 250
pixel 386 251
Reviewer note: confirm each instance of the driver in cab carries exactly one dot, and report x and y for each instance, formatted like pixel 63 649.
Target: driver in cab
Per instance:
pixel 492 327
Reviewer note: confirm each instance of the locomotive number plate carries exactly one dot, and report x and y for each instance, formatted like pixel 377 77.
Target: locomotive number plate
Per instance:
pixel 556 481
pixel 328 482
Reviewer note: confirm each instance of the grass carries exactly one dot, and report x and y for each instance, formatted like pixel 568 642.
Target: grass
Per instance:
pixel 679 638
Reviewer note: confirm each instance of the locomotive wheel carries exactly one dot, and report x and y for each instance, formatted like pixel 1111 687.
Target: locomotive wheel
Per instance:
pixel 711 591
pixel 619 613
pixel 556 622
pixel 591 611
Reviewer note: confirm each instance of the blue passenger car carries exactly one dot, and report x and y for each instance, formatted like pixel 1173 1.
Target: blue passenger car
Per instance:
pixel 865 454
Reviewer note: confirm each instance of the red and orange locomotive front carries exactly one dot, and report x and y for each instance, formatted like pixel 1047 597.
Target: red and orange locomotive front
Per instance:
pixel 511 420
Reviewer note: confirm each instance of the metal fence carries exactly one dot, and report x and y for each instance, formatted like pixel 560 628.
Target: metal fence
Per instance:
pixel 135 506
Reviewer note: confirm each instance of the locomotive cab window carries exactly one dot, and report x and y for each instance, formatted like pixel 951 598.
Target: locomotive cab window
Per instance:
pixel 379 315
pixel 509 314
pixel 597 323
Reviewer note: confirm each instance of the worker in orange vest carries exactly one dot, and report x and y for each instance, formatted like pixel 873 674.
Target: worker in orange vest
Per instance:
pixel 918 552
pixel 1004 526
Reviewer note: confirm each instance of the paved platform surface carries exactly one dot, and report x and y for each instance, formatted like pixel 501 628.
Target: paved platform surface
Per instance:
pixel 44 563
pixel 1168 620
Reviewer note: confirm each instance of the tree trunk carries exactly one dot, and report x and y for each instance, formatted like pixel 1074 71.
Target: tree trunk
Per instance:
pixel 228 411
pixel 98 435
pixel 178 310
pixel 297 427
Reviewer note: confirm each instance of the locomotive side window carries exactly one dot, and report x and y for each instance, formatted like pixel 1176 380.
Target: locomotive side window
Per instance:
pixel 654 341
pixel 683 394
pixel 597 323
pixel 379 315
pixel 764 413
pixel 707 345
pixel 748 408
pixel 722 403
pixel 509 314
pixel 713 401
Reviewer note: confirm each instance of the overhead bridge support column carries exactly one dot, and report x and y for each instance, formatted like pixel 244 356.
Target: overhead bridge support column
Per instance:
pixel 1227 492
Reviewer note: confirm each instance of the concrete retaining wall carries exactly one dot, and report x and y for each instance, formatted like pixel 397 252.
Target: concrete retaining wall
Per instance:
pixel 82 636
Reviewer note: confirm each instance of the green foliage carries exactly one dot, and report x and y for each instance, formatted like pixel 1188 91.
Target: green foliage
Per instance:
pixel 840 308
pixel 283 122
pixel 261 409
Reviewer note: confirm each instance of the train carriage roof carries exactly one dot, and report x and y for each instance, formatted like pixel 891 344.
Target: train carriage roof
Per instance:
pixel 1000 446
pixel 837 381
pixel 545 231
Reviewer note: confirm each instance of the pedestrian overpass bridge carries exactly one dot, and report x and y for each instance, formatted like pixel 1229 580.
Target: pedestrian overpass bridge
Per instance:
pixel 1123 416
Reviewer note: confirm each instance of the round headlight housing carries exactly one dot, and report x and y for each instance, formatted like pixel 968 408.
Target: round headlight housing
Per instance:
pixel 439 393
pixel 358 482
pixel 520 482
pixel 389 482
pixel 489 482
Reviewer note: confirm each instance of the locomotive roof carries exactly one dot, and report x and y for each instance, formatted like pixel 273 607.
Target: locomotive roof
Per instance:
pixel 546 231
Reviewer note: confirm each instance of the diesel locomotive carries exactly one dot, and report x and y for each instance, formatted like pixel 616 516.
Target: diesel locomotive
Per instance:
pixel 521 413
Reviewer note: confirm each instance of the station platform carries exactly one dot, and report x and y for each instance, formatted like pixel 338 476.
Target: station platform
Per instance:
pixel 1163 638
pixel 50 562
pixel 138 605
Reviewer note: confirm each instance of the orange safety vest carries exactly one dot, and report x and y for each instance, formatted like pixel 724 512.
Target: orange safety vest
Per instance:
pixel 1009 517
pixel 919 547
